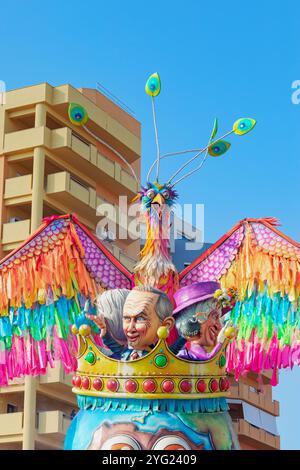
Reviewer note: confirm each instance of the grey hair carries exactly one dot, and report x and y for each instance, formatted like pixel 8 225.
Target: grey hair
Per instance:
pixel 110 304
pixel 164 306
pixel 186 321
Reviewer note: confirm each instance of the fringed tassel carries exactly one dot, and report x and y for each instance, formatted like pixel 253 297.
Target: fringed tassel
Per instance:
pixel 204 405
pixel 60 271
pixel 268 313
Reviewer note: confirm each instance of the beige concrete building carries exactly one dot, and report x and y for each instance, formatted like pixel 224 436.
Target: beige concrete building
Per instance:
pixel 254 412
pixel 49 166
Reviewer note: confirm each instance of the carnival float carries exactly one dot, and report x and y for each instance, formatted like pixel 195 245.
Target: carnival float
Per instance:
pixel 151 350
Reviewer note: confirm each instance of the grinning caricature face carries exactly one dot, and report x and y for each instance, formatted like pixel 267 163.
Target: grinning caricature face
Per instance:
pixel 210 328
pixel 140 320
pixel 156 197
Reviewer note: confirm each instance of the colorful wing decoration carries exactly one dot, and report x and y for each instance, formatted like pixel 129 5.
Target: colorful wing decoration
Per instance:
pixel 44 285
pixel 264 266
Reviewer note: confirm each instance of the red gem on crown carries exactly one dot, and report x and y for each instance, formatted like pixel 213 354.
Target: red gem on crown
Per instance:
pixel 112 385
pixel 131 386
pixel 168 386
pixel 185 386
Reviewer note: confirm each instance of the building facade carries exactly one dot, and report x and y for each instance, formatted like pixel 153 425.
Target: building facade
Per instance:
pixel 50 166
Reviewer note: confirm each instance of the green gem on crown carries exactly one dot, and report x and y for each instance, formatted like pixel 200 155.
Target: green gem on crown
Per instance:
pixel 222 361
pixel 161 360
pixel 90 357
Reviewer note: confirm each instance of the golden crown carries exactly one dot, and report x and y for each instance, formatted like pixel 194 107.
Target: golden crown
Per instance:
pixel 158 375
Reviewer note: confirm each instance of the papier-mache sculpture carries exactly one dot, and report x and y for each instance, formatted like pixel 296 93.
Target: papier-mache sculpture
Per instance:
pixel 158 400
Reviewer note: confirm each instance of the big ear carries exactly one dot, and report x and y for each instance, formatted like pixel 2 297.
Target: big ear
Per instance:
pixel 169 322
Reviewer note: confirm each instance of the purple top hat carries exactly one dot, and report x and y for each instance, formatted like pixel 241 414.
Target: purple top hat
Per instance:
pixel 194 293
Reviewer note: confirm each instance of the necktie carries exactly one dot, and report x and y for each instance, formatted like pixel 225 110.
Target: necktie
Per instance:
pixel 134 355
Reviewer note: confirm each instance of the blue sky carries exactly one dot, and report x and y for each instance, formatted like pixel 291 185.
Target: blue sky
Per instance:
pixel 225 59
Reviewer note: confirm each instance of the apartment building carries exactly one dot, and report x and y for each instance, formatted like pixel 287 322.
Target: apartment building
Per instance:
pixel 50 166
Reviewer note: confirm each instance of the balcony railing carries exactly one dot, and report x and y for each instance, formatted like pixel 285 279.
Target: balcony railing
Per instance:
pixel 56 376
pixel 256 437
pixel 11 424
pixel 259 399
pixel 107 172
pixel 15 232
pixel 18 186
pixel 53 422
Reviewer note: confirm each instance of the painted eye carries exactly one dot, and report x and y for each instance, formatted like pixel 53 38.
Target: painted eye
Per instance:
pixel 171 443
pixel 165 193
pixel 150 193
pixel 194 319
pixel 121 442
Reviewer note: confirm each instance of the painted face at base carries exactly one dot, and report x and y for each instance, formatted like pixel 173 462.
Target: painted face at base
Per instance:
pixel 140 320
pixel 210 328
pixel 126 436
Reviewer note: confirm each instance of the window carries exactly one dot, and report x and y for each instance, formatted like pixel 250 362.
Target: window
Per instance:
pixel 11 408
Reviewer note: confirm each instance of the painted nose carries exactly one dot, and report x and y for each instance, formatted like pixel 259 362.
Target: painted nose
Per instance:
pixel 131 325
pixel 158 200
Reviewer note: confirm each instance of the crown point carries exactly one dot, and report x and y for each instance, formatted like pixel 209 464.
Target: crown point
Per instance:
pixel 74 329
pixel 84 330
pixel 162 332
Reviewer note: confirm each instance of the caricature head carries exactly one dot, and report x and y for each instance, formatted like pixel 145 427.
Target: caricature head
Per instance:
pixel 110 304
pixel 200 322
pixel 198 312
pixel 145 310
pixel 155 198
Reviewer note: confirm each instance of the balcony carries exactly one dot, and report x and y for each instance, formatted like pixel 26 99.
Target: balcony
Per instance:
pixel 11 429
pixel 18 190
pixel 126 260
pixel 255 437
pixel 106 172
pixel 57 384
pixel 57 375
pixel 260 400
pixel 52 427
pixel 14 233
pixel 26 139
pixel 61 188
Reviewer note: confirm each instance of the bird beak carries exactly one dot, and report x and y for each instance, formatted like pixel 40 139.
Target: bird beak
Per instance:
pixel 157 204
pixel 158 200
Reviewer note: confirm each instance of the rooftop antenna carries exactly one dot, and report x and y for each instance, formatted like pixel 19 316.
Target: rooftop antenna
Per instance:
pixel 114 98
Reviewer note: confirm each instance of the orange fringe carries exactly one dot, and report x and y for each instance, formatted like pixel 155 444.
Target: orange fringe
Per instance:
pixel 254 267
pixel 62 269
